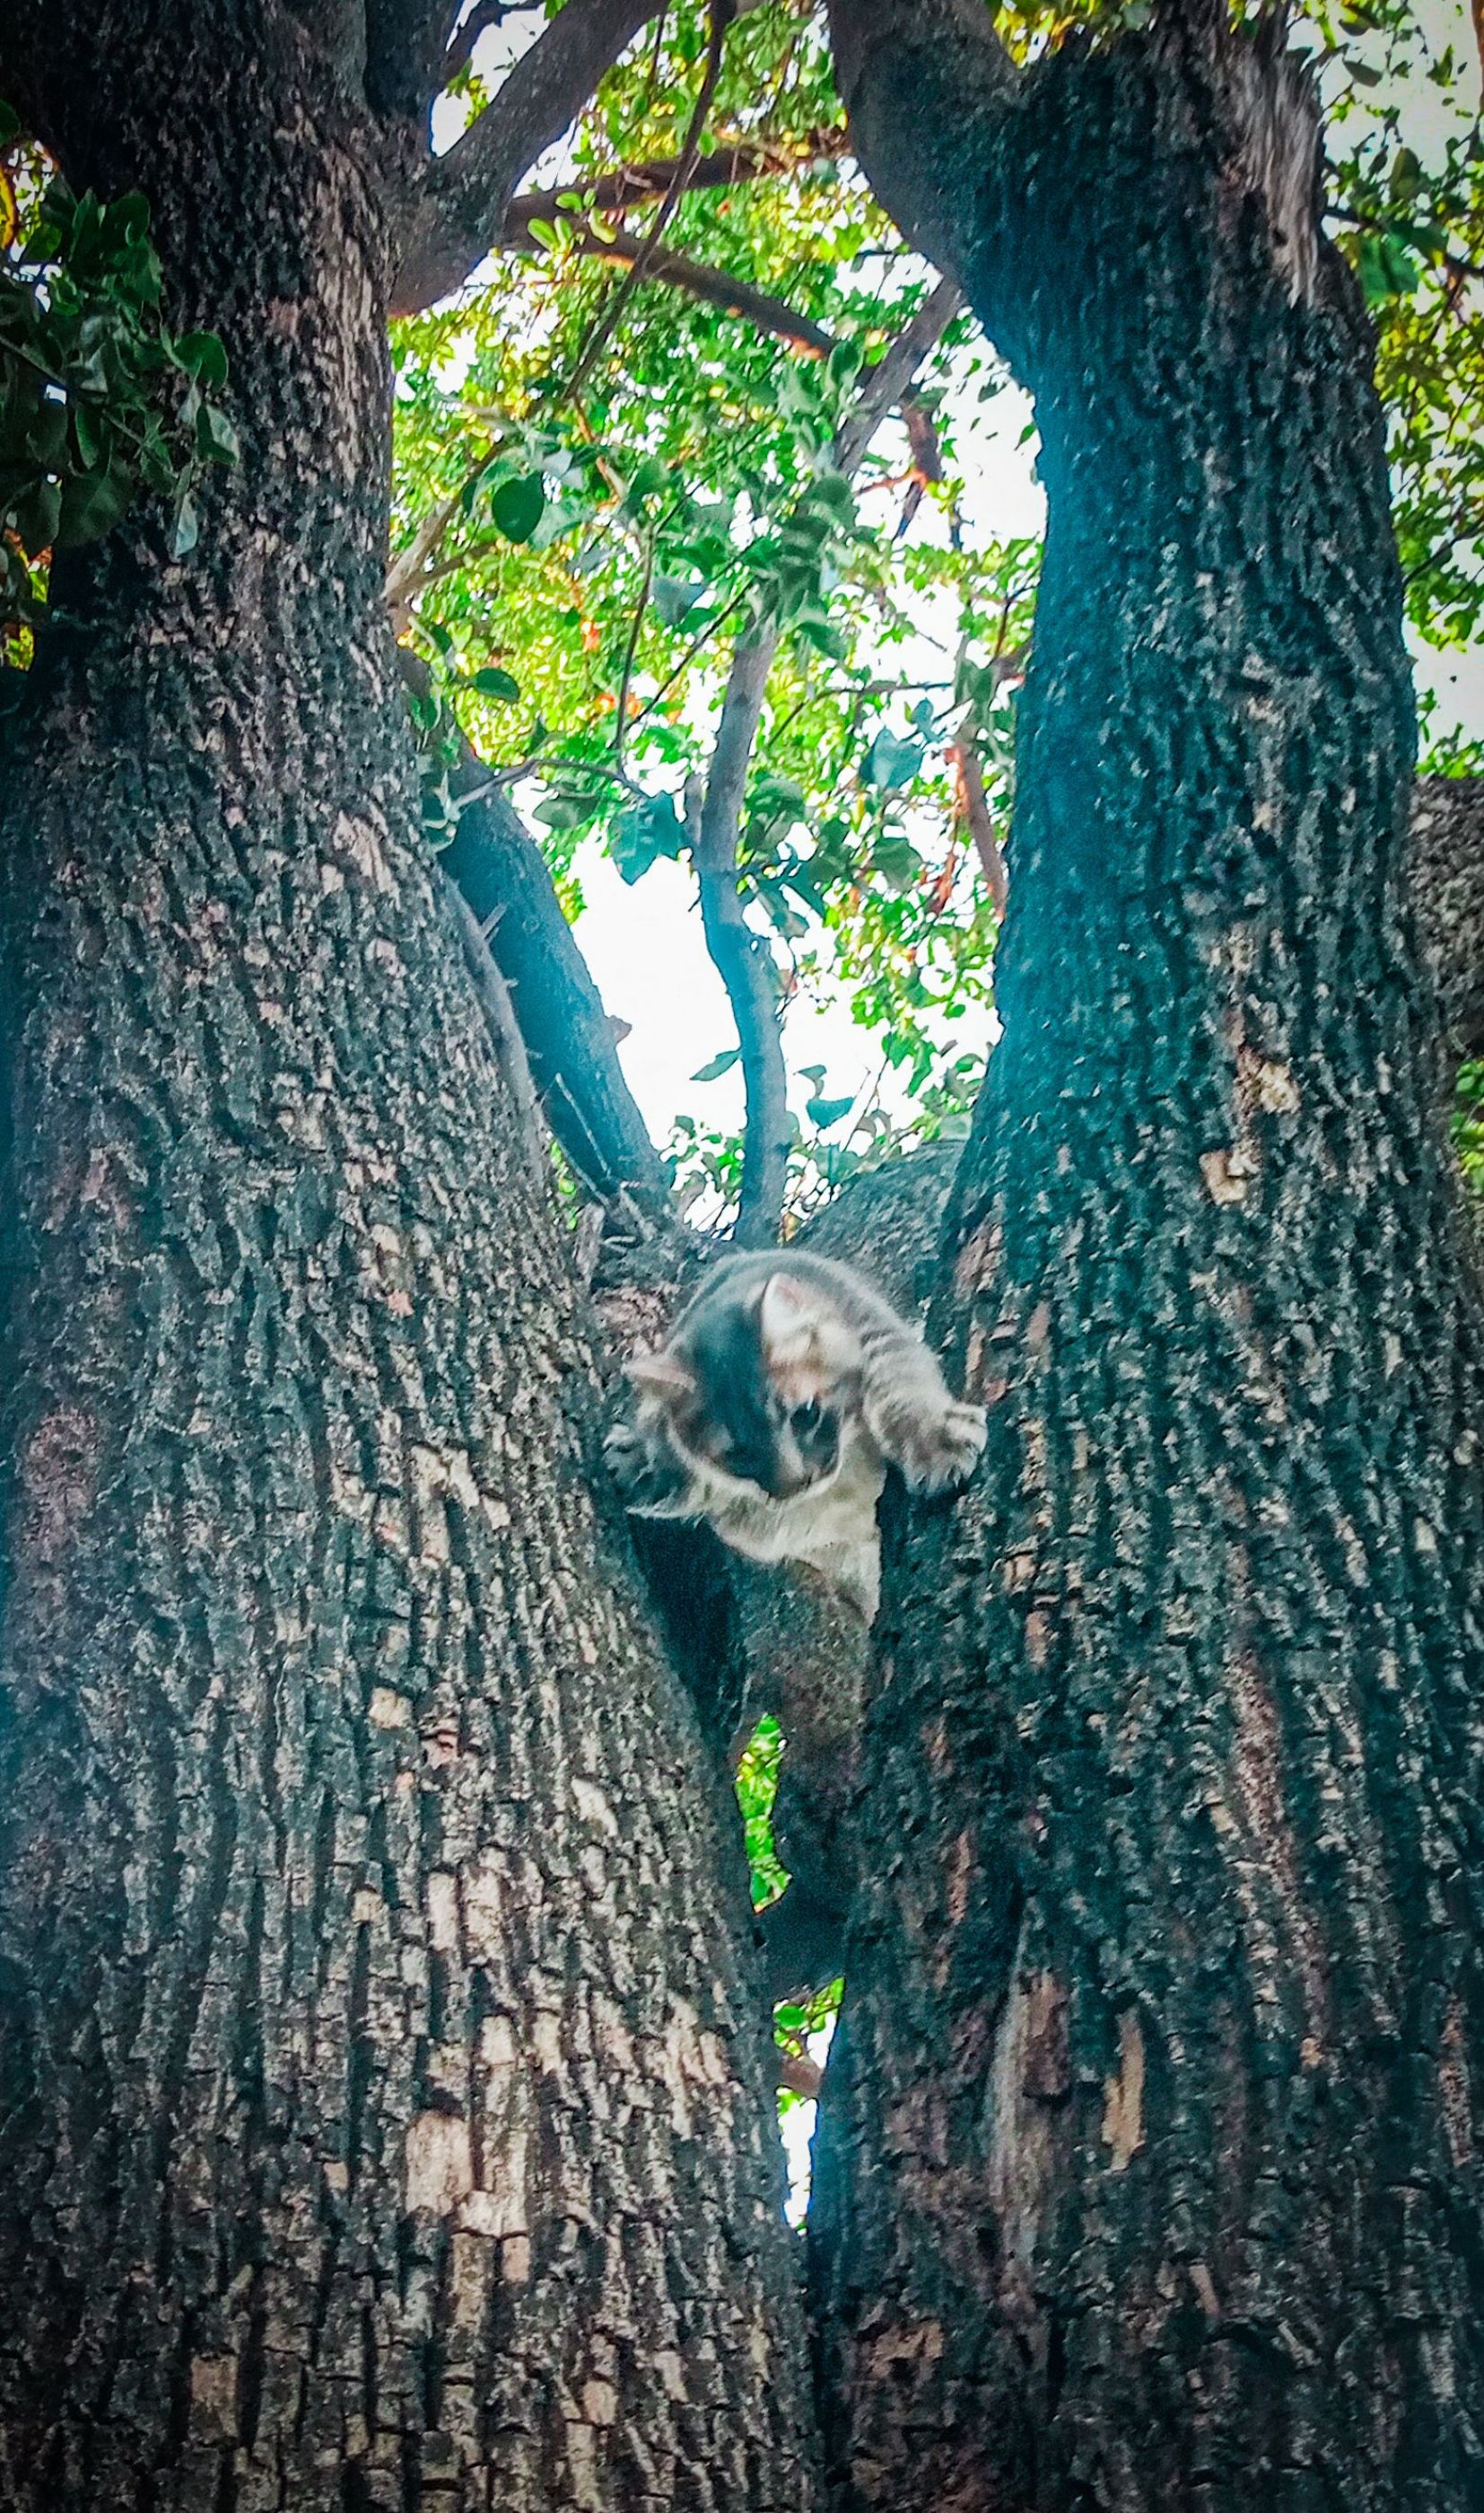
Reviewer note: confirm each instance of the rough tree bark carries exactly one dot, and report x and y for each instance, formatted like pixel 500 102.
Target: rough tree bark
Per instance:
pixel 1152 2177
pixel 382 2111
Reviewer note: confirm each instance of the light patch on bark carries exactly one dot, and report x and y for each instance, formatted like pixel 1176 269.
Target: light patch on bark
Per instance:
pixel 440 2164
pixel 443 1911
pixel 1258 1777
pixel 59 1468
pixel 1028 2074
pixel 213 2398
pixel 1266 1085
pixel 1454 2086
pixel 694 2060
pixel 1124 2096
pixel 1273 105
pixel 388 1709
pixel 1227 1174
pixel 594 1808
pixel 358 840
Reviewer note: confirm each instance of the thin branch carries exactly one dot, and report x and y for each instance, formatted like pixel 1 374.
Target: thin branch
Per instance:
pixel 975 812
pixel 741 956
pixel 631 650
pixel 721 16
pixel 504 1031
pixel 884 384
pixel 701 279
pixel 627 188
pixel 458 206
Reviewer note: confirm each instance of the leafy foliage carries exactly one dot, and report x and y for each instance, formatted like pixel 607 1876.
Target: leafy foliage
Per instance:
pixel 605 478
pixel 99 399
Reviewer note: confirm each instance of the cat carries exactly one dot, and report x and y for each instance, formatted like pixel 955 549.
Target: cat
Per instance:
pixel 785 1391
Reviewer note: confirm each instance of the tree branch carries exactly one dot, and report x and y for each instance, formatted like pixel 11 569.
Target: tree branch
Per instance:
pixel 721 14
pixel 459 204
pixel 713 286
pixel 742 957
pixel 976 813
pixel 626 187
pixel 884 384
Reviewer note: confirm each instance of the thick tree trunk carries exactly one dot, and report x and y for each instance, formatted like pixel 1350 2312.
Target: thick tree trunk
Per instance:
pixel 1152 2177
pixel 382 2100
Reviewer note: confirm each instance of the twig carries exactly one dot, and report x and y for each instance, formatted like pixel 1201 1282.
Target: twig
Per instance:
pixel 976 814
pixel 631 650
pixel 627 188
pixel 721 14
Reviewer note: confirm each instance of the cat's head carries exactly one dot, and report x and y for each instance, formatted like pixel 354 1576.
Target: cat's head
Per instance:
pixel 758 1387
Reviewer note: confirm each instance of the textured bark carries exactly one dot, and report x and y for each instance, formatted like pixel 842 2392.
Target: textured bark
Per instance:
pixel 381 2107
pixel 1152 2178
pixel 1446 874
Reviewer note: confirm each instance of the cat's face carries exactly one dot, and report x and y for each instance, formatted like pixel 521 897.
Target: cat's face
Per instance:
pixel 759 1389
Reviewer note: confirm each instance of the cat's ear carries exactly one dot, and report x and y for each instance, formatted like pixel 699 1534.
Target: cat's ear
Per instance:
pixel 662 1376
pixel 788 1324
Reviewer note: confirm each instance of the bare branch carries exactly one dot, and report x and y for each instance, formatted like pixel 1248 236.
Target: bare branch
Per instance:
pixel 721 15
pixel 976 814
pixel 459 207
pixel 504 1031
pixel 742 957
pixel 884 384
pixel 462 42
pixel 625 187
pixel 713 286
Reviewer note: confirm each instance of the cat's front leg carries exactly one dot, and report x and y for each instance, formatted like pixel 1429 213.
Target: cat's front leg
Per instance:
pixel 653 1479
pixel 931 1435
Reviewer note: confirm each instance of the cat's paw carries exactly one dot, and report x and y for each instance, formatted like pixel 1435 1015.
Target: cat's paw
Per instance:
pixel 936 1450
pixel 647 1479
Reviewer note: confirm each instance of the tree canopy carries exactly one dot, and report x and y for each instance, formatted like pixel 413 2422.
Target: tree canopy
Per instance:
pixel 653 424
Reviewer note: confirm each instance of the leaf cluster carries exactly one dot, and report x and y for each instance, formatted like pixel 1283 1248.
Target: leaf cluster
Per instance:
pixel 99 400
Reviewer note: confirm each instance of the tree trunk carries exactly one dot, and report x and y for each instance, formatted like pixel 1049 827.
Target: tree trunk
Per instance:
pixel 1152 2178
pixel 381 2093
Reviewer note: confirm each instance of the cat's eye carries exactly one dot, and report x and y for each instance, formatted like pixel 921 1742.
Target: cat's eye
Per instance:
pixel 805 1418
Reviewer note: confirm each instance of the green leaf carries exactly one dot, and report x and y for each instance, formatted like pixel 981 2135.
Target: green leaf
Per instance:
pixel 1387 268
pixel 203 356
pixel 646 830
pixel 93 502
pixel 651 477
pixel 94 434
pixel 825 1113
pixel 187 527
pixel 674 599
pixel 719 1065
pixel 517 506
pixel 36 517
pixel 891 761
pixel 215 435
pixel 47 436
pixel 494 683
